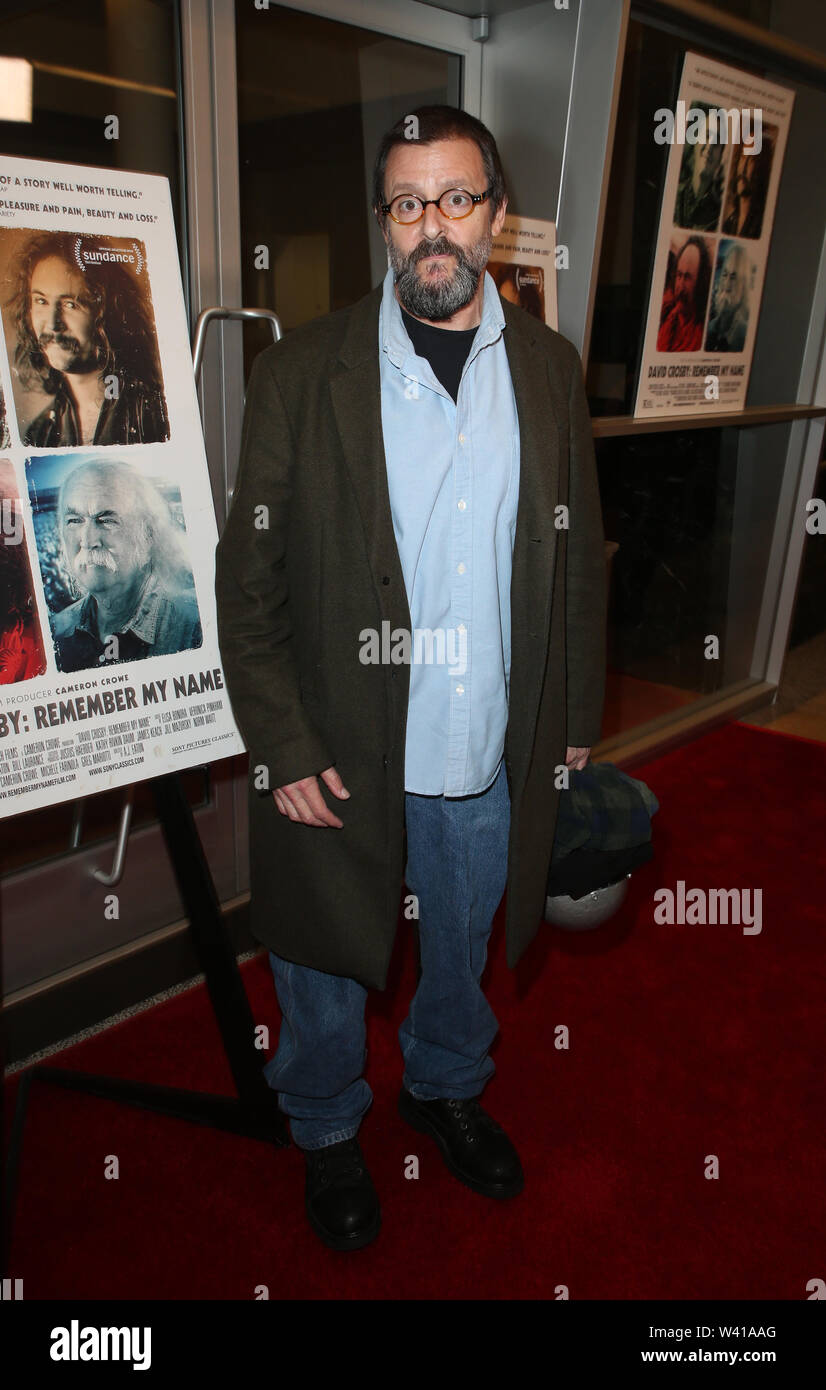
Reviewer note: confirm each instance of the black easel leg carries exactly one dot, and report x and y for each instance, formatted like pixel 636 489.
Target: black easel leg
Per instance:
pixel 209 934
pixel 253 1112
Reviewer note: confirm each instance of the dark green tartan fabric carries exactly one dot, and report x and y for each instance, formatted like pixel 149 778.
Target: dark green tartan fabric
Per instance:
pixel 603 809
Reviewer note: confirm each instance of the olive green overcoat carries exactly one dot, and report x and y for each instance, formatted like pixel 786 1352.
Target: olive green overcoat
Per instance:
pixel 308 560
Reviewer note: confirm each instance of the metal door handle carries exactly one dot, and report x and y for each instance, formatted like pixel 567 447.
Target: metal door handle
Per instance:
pixel 116 873
pixel 218 312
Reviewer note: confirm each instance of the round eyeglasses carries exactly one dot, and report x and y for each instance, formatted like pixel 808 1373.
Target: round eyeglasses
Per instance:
pixel 454 203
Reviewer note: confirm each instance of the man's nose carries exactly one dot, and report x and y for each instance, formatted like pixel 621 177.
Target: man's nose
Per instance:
pixel 433 224
pixel 89 532
pixel 57 319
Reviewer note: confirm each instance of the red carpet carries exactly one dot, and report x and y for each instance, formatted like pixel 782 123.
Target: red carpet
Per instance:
pixel 685 1041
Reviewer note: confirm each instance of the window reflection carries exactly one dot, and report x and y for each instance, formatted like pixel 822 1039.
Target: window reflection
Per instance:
pixel 306 146
pixel 692 513
pixel 90 61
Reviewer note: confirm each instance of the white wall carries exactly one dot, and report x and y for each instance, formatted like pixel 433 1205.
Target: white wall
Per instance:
pixel 527 65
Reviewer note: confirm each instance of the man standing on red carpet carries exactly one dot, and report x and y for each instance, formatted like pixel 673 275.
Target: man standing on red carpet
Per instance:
pixel 411 607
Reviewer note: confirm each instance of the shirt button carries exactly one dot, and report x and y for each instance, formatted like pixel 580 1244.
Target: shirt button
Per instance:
pixel 460 690
pixel 461 628
pixel 460 568
pixel 461 439
pixel 461 504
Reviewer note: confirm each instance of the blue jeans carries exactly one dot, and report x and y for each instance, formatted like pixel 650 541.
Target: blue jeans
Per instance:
pixel 457 855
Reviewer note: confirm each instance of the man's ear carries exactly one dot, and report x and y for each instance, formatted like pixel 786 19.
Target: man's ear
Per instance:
pixel 499 220
pixel 382 226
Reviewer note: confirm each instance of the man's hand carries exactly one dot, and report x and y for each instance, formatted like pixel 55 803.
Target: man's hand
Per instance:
pixel 576 758
pixel 302 801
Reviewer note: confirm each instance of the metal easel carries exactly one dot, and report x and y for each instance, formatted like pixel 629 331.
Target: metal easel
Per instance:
pixel 253 1111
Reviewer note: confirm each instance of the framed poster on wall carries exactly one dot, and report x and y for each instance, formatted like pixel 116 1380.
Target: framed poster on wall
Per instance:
pixel 727 136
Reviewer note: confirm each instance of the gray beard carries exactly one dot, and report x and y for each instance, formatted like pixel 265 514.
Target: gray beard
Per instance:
pixel 439 300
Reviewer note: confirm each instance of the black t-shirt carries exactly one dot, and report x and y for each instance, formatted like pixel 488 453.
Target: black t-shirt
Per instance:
pixel 446 349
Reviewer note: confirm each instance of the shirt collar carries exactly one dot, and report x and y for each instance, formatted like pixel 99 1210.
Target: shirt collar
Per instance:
pixel 395 340
pixel 144 619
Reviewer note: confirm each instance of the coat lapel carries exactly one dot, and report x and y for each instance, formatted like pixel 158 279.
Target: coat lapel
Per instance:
pixel 355 388
pixel 542 416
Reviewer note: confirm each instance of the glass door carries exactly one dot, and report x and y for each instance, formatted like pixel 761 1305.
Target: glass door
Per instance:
pixel 286 105
pixel 309 241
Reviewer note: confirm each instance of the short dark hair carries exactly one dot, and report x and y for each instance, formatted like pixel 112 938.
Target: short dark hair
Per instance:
pixel 440 123
pixel 703 273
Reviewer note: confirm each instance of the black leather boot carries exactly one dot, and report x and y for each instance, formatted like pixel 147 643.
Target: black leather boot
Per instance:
pixel 474 1147
pixel 340 1200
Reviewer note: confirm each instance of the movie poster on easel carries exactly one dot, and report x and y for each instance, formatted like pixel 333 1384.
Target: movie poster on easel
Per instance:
pixel 109 664
pixel 523 266
pixel 727 137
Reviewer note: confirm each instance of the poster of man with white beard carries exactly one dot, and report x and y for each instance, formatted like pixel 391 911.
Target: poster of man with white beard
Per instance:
pixel 110 545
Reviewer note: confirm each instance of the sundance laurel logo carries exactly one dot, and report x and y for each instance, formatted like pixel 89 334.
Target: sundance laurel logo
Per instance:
pixel 700 906
pixel 108 255
pixel 76 1343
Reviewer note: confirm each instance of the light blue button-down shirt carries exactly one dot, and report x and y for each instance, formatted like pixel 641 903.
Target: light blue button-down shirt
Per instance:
pixel 453 479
